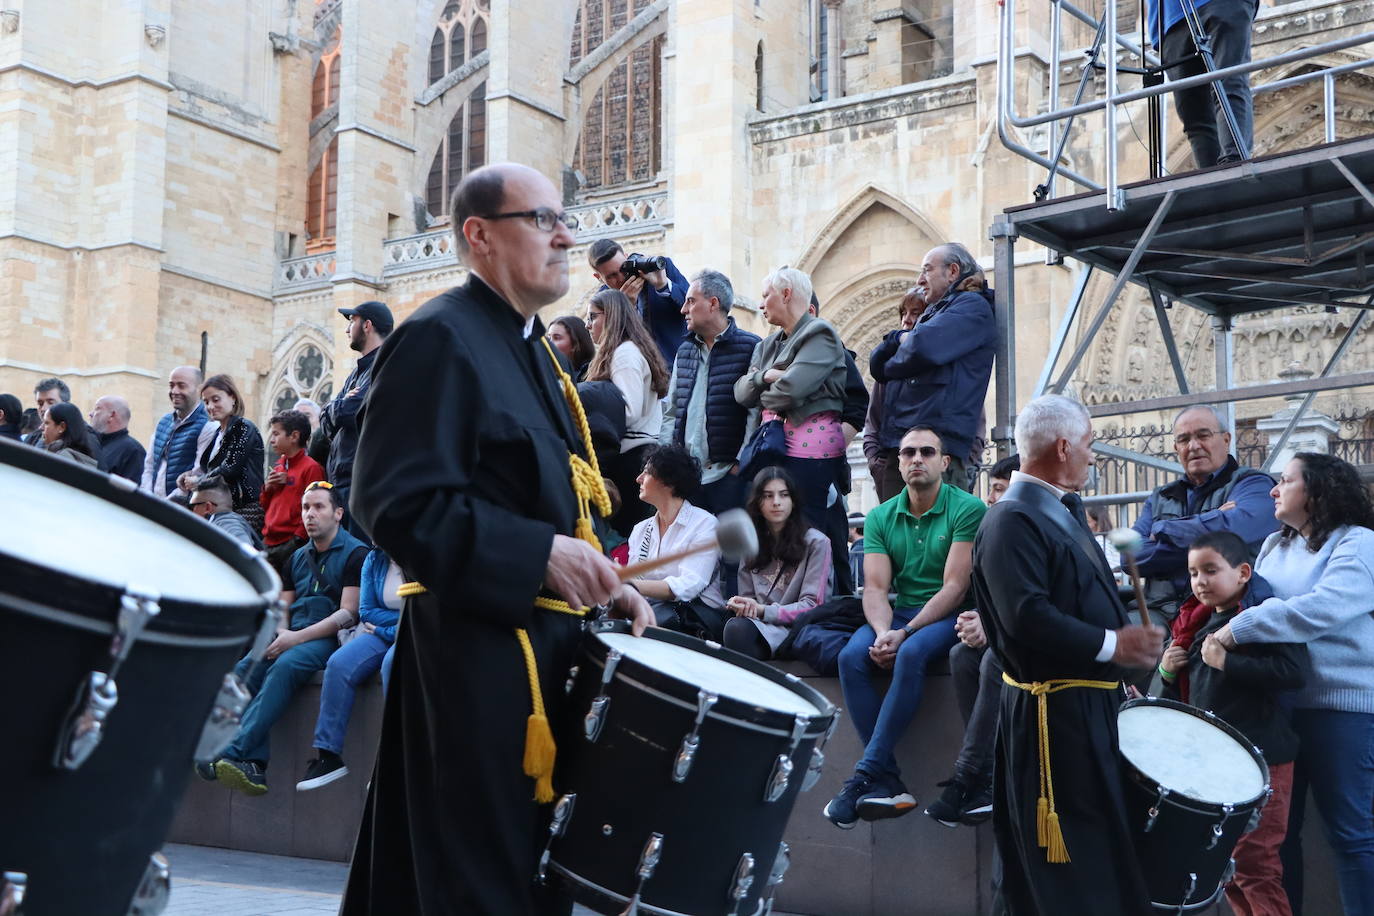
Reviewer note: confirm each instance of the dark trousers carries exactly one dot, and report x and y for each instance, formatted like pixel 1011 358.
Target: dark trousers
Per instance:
pixel 350 523
pixel 729 492
pixel 978 685
pixel 814 478
pixel 1228 23
pixel 622 472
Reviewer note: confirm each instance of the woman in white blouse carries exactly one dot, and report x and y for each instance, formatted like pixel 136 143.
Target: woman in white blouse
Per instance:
pixel 627 356
pixel 685 595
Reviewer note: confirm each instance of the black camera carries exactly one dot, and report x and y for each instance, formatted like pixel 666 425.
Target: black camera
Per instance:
pixel 636 265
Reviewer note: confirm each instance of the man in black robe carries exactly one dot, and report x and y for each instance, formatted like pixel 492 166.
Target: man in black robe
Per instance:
pixel 462 476
pixel 1052 615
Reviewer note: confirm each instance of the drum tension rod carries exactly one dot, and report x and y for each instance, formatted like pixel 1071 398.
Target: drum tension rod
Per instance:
pixel 562 813
pixel 688 752
pixel 744 880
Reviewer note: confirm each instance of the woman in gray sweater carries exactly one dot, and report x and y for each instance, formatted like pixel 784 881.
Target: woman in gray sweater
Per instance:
pixel 1321 567
pixel 789 576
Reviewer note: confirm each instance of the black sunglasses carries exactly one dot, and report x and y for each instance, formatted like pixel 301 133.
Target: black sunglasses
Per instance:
pixel 925 451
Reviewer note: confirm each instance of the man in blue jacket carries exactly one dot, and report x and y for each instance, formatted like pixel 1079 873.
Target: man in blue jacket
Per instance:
pixel 1227 25
pixel 937 373
pixel 659 295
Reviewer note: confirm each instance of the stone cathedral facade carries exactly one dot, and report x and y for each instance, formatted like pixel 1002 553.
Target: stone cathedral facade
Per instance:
pixel 180 177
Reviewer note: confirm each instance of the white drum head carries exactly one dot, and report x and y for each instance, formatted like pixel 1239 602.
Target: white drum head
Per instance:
pixel 48 523
pixel 1189 756
pixel 709 673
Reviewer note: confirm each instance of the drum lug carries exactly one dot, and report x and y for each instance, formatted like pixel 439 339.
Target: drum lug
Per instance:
pixel 562 813
pixel 648 861
pixel 1219 825
pixel 813 769
pixel 572 679
pixel 98 693
pixel 227 713
pixel 596 716
pixel 154 890
pixel 744 879
pixel 13 884
pixel 1154 809
pixel 780 865
pixel 782 767
pixel 1259 809
pixel 687 753
pixel 1188 894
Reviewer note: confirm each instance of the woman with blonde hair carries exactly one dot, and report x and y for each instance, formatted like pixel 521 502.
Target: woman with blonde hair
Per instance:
pixel 627 356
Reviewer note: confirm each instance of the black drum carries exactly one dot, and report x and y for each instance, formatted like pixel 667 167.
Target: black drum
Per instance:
pixel 1194 785
pixel 120 615
pixel 688 760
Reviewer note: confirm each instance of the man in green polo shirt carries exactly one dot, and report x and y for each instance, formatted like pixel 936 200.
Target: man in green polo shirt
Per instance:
pixel 918 544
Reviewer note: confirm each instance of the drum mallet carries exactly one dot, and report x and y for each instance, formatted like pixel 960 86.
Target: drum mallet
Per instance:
pixel 735 538
pixel 1127 541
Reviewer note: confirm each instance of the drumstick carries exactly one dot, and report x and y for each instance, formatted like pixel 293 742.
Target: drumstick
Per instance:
pixel 735 538
pixel 1127 541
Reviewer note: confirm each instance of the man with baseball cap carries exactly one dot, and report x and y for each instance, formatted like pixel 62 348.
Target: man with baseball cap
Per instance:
pixel 368 325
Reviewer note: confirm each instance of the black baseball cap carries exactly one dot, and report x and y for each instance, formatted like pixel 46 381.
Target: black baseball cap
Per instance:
pixel 375 312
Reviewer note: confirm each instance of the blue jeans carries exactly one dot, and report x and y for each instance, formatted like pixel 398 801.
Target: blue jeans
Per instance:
pixel 273 684
pixel 350 666
pixel 1338 754
pixel 386 668
pixel 880 722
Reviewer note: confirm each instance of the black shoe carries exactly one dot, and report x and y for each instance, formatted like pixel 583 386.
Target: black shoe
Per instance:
pixel 205 769
pixel 978 805
pixel 841 810
pixel 321 771
pixel 886 797
pixel 948 809
pixel 246 776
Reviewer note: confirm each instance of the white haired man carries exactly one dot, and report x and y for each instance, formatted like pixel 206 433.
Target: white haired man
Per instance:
pixel 1050 607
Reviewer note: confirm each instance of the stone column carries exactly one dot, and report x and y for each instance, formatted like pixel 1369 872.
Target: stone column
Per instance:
pixel 834 80
pixel 529 55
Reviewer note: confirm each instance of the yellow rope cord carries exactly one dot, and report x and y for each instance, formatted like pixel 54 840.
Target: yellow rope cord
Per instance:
pixel 590 489
pixel 1048 833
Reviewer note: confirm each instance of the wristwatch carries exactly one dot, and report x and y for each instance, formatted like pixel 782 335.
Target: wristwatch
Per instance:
pixel 906 628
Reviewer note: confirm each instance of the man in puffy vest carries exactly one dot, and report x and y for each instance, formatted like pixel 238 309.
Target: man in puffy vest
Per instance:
pixel 703 415
pixel 1214 494
pixel 176 441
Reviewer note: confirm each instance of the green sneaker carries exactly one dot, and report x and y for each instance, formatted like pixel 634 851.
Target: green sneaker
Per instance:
pixel 244 775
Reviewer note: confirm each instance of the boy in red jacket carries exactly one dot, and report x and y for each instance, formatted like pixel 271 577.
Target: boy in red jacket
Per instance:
pixel 282 530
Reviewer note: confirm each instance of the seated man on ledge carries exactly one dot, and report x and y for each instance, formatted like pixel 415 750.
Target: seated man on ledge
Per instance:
pixel 919 544
pixel 323 599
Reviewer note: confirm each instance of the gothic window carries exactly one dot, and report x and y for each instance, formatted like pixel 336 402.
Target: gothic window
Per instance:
pixel 305 373
pixel 323 191
pixel 620 140
pixel 460 36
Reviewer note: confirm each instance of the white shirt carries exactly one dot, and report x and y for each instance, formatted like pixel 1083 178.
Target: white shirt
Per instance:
pixel 643 413
pixel 690 577
pixel 1108 649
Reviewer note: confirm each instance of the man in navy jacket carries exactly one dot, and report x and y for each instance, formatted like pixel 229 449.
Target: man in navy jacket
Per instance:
pixel 937 373
pixel 659 295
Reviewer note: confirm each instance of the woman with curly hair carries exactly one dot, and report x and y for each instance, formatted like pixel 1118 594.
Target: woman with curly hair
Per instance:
pixel 1321 567
pixel 627 355
pixel 790 575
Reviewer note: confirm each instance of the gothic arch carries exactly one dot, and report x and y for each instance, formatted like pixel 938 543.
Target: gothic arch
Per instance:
pixel 865 308
pixel 302 367
pixel 857 206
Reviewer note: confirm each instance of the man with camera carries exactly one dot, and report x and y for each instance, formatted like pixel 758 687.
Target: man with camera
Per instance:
pixel 654 284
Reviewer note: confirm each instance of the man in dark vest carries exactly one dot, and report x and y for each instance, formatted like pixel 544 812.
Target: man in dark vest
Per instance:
pixel 177 436
pixel 703 415
pixel 1214 494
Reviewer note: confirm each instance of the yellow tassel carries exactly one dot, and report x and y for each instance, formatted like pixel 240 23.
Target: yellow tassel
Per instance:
pixel 1056 853
pixel 539 756
pixel 1042 811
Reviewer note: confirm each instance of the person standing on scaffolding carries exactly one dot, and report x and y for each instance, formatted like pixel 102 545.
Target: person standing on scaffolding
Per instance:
pixel 1202 36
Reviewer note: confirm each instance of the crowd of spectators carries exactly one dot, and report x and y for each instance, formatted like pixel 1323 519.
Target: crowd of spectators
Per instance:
pixel 692 416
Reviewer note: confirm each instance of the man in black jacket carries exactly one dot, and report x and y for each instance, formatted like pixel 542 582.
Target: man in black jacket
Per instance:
pixel 120 453
pixel 368 325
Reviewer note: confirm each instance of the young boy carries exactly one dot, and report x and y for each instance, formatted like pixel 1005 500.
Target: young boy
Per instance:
pixel 282 530
pixel 1242 687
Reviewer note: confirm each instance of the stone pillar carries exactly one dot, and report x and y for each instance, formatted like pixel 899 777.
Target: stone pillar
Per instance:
pixel 529 55
pixel 1313 432
pixel 834 86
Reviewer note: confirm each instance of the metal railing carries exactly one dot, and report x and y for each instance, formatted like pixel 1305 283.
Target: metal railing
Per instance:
pixel 1114 96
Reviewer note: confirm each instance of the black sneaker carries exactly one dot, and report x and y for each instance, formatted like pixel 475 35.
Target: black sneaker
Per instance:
pixel 948 809
pixel 841 810
pixel 205 769
pixel 321 771
pixel 978 805
pixel 886 797
pixel 246 776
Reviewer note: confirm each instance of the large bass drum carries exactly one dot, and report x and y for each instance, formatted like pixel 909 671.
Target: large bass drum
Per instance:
pixel 1194 785
pixel 120 615
pixel 687 761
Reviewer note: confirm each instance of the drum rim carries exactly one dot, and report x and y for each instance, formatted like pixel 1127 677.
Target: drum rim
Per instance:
pixel 78 621
pixel 728 709
pixel 1210 718
pixel 247 563
pixel 569 875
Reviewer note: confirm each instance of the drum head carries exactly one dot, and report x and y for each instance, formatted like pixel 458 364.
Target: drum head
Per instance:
pixel 55 517
pixel 708 672
pixel 1189 753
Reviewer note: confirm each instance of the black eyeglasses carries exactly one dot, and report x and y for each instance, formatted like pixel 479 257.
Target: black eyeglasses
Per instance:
pixel 925 451
pixel 545 218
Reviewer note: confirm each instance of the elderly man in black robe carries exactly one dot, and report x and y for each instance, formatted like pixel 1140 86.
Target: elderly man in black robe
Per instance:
pixel 1053 617
pixel 465 477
